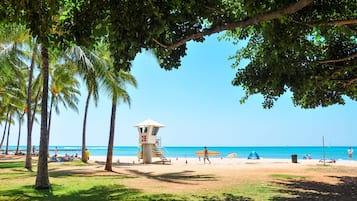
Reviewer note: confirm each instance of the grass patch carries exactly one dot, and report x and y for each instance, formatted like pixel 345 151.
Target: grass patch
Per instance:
pixel 288 176
pixel 17 183
pixel 4 165
pixel 256 190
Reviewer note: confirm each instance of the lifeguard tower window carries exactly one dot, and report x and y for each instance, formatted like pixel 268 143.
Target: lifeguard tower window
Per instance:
pixel 155 130
pixel 145 129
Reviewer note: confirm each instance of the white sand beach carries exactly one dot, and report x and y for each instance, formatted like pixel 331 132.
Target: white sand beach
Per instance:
pixel 221 173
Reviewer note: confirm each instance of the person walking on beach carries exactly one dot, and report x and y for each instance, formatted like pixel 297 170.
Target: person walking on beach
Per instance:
pixel 56 151
pixel 350 152
pixel 205 156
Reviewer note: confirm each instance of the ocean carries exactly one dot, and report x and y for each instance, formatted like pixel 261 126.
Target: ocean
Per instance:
pixel 278 152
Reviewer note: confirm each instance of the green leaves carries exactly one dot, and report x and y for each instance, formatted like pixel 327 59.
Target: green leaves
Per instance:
pixel 308 53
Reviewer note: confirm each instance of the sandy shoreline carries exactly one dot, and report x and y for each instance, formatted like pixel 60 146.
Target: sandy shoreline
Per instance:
pixel 221 175
pixel 195 176
pixel 223 161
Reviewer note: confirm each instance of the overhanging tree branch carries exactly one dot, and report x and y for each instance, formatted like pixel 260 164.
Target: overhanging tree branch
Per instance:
pixel 250 21
pixel 350 82
pixel 342 22
pixel 338 60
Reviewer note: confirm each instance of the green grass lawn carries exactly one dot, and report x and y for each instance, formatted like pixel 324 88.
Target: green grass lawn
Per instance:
pixel 17 183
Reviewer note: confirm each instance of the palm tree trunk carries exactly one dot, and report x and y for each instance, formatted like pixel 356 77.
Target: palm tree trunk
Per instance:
pixel 4 133
pixel 108 164
pixel 8 136
pixel 18 138
pixel 49 122
pixel 28 163
pixel 35 107
pixel 42 180
pixel 84 156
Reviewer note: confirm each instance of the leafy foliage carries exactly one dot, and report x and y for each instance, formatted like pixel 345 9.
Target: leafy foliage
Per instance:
pixel 312 53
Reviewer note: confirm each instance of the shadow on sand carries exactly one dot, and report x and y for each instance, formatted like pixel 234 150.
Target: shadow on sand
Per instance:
pixel 299 189
pixel 175 177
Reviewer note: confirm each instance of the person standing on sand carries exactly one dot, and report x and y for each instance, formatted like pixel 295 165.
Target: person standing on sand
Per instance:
pixel 350 152
pixel 205 156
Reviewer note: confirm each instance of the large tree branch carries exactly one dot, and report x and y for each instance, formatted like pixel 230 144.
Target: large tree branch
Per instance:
pixel 338 60
pixel 341 22
pixel 250 21
pixel 331 23
pixel 350 82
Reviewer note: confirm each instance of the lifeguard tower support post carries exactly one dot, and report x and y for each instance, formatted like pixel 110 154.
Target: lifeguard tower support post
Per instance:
pixel 148 130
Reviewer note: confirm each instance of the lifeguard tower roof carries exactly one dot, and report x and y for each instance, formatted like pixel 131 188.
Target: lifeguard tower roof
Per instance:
pixel 149 122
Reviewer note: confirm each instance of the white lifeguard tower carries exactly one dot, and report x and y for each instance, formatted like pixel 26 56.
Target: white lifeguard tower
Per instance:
pixel 148 140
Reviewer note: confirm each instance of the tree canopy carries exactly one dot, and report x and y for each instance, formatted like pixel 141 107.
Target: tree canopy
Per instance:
pixel 311 53
pixel 306 47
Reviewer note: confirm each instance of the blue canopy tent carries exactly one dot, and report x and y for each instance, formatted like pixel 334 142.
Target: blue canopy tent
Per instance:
pixel 253 155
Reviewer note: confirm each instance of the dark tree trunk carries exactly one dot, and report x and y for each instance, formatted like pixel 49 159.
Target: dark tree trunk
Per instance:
pixel 8 136
pixel 84 156
pixel 42 180
pixel 49 122
pixel 108 164
pixel 28 163
pixel 19 136
pixel 4 133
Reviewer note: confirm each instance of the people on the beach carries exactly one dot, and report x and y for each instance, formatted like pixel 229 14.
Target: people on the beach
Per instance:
pixel 53 158
pixel 307 156
pixel 205 156
pixel 34 153
pixel 350 152
pixel 56 151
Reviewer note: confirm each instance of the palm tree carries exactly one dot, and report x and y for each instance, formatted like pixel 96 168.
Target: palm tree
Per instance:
pixel 115 83
pixel 30 113
pixel 42 179
pixel 21 108
pixel 14 102
pixel 11 94
pixel 5 129
pixel 88 65
pixel 21 116
pixel 18 34
pixel 64 89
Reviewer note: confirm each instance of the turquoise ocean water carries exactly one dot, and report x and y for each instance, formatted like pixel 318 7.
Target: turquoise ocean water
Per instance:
pixel 316 152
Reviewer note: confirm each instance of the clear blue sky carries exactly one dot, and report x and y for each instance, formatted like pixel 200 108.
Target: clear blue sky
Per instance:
pixel 199 106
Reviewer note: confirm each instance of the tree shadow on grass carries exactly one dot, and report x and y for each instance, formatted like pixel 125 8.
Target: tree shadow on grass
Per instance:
pixel 104 193
pixel 96 193
pixel 176 177
pixel 300 189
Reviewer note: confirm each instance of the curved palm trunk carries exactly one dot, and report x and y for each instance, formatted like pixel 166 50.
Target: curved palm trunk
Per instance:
pixel 8 136
pixel 18 138
pixel 42 180
pixel 28 163
pixel 49 122
pixel 4 133
pixel 108 164
pixel 84 156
